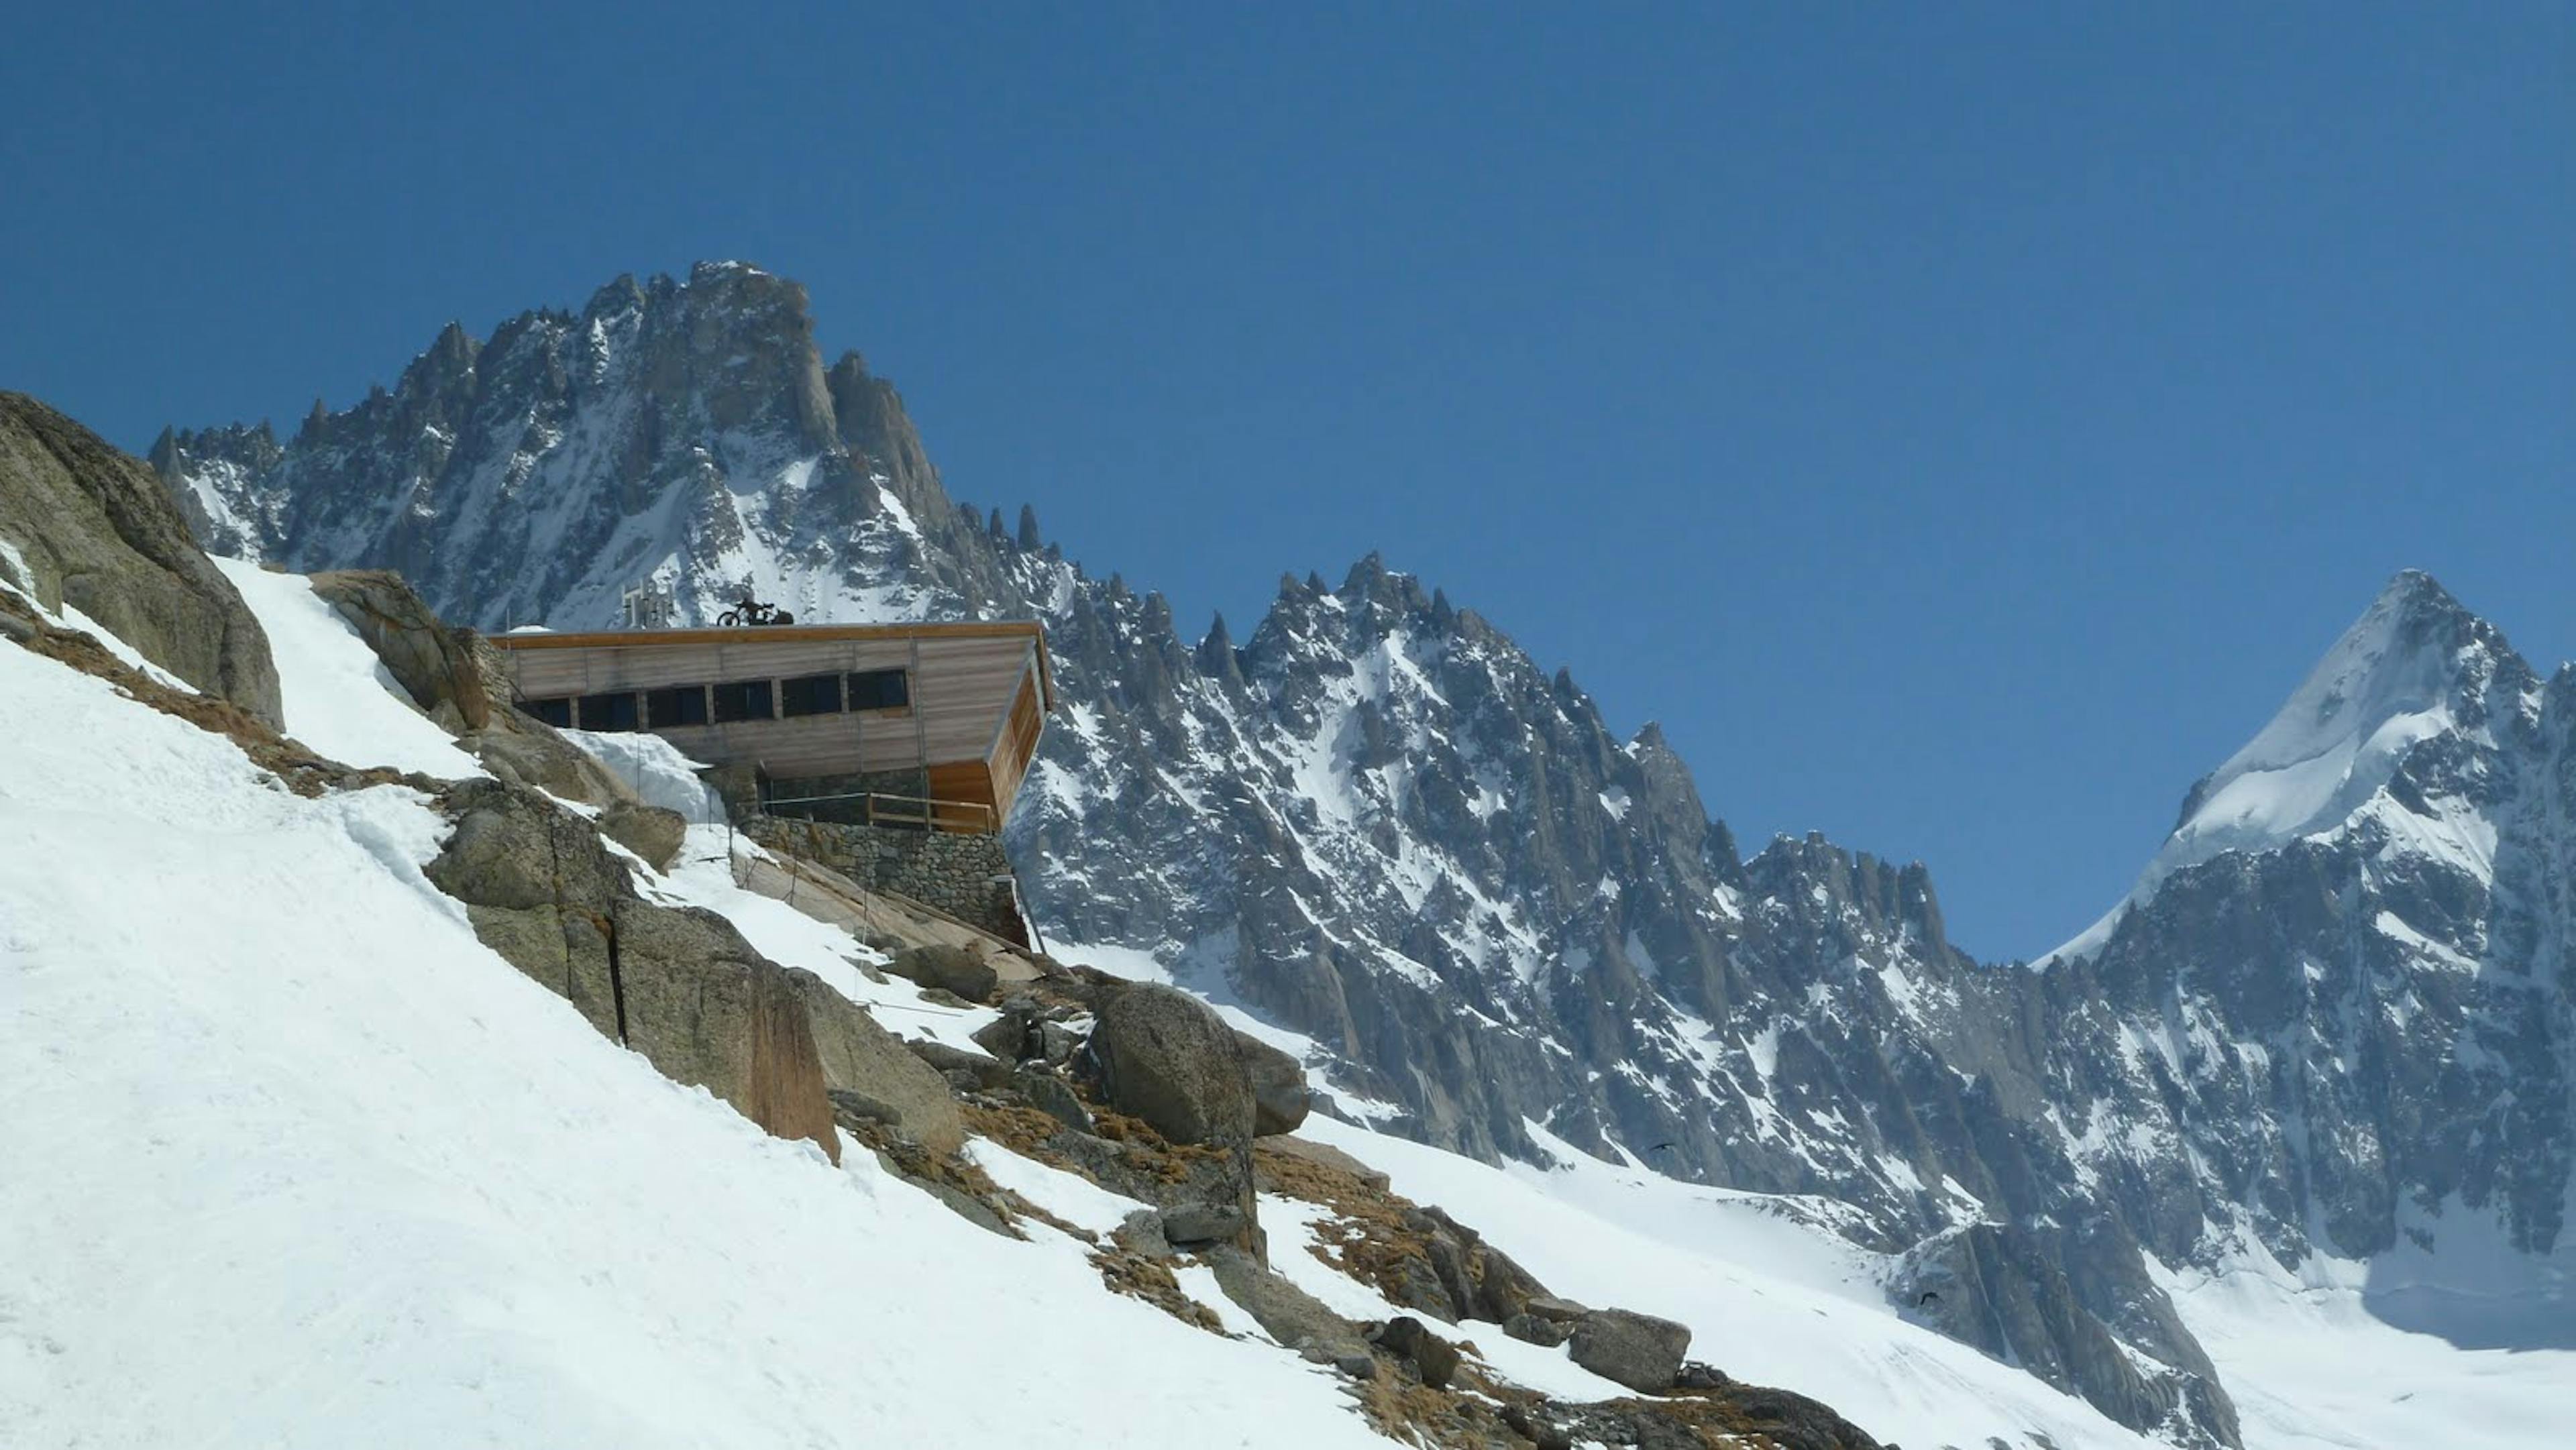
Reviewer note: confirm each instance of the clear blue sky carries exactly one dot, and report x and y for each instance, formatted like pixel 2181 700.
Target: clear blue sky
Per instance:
pixel 1959 425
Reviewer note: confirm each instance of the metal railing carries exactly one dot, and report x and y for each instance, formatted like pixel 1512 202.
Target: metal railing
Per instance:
pixel 903 812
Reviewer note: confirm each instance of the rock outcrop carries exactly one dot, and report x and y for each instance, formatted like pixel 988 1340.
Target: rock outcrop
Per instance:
pixel 450 674
pixel 1374 820
pixel 653 833
pixel 950 968
pixel 867 1070
pixel 1637 1350
pixel 539 889
pixel 1164 1056
pixel 707 1009
pixel 92 529
pixel 1280 1098
pixel 677 984
pixel 458 679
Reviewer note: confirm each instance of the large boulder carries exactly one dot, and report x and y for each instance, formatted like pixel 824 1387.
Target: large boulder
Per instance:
pixel 953 968
pixel 1279 1094
pixel 1164 1056
pixel 1433 1358
pixel 650 832
pixel 1637 1350
pixel 707 1009
pixel 1503 1287
pixel 868 1070
pixel 94 529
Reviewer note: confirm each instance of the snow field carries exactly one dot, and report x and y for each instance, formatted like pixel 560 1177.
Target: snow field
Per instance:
pixel 339 698
pixel 317 1169
pixel 1767 1299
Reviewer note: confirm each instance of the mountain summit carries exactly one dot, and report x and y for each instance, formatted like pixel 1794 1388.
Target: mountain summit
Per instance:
pixel 2329 1033
pixel 681 433
pixel 2416 668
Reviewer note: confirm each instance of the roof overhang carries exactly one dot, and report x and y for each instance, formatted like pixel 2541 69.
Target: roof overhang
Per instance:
pixel 1029 629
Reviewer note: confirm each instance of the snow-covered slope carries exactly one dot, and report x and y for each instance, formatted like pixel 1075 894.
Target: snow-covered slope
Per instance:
pixel 376 1186
pixel 339 698
pixel 2333 1018
pixel 1767 1293
pixel 296 1161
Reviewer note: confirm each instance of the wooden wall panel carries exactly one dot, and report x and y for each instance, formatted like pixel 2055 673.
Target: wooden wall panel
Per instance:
pixel 978 697
pixel 1017 741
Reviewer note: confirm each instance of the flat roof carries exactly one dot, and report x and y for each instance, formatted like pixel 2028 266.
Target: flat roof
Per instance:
pixel 789 634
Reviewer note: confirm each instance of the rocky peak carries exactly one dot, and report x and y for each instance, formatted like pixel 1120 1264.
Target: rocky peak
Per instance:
pixel 2407 709
pixel 1377 821
pixel 2414 663
pixel 874 424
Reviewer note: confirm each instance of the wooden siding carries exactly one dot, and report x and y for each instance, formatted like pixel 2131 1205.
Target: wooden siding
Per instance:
pixel 1017 741
pixel 964 780
pixel 977 695
pixel 896 636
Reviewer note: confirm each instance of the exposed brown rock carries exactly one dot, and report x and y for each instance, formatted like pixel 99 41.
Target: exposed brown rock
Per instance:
pixel 97 531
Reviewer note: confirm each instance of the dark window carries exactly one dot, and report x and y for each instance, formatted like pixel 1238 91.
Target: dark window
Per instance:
pixel 609 712
pixel 556 712
pixel 879 690
pixel 742 700
pixel 685 705
pixel 811 695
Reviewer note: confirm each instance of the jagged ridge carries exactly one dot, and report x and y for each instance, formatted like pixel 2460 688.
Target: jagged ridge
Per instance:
pixel 1378 822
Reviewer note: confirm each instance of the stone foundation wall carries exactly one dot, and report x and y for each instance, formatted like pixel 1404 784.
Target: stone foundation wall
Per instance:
pixel 955 873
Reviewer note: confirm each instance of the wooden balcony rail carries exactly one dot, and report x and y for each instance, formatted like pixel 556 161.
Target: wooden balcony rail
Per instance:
pixel 918 813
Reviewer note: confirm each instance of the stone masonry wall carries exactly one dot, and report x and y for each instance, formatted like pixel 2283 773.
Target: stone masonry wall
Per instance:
pixel 953 872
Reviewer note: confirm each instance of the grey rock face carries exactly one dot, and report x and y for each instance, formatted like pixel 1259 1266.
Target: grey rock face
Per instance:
pixel 1327 1155
pixel 1205 1223
pixel 1210 1199
pixel 955 968
pixel 857 1057
pixel 534 755
pixel 1637 1350
pixel 705 1008
pixel 539 890
pixel 458 679
pixel 93 530
pixel 1374 820
pixel 678 985
pixel 983 1073
pixel 1279 1095
pixel 1055 1097
pixel 649 831
pixel 443 670
pixel 1780 1418
pixel 1285 1312
pixel 1994 1287
pixel 1433 1358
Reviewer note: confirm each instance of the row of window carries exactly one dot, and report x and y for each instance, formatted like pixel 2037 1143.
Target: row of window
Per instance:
pixel 732 700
